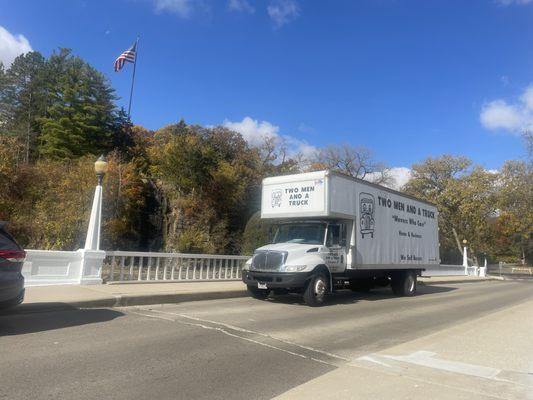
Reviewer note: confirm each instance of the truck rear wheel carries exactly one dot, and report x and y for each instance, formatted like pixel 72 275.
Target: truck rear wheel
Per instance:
pixel 316 290
pixel 404 283
pixel 260 294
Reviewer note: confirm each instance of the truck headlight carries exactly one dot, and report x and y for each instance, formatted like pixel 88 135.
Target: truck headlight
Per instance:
pixel 294 268
pixel 247 264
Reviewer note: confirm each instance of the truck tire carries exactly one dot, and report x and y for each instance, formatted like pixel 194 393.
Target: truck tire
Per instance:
pixel 316 290
pixel 260 294
pixel 404 283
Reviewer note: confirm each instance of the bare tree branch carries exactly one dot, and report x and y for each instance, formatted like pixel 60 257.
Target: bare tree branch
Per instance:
pixel 357 162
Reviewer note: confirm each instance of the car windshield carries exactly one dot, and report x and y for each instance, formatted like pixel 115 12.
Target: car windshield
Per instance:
pixel 305 233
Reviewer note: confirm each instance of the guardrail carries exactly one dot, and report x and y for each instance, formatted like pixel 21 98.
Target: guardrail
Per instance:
pixel 123 266
pixel 450 270
pixel 517 270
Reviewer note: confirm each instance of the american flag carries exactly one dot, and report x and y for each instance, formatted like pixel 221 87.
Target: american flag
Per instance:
pixel 128 55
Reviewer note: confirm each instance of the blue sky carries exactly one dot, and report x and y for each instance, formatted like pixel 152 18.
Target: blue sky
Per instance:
pixel 408 79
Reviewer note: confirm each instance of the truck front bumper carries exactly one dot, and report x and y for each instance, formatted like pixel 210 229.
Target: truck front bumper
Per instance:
pixel 277 280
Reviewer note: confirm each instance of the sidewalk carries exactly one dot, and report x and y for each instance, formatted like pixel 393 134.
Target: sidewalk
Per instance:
pixel 45 298
pixel 486 358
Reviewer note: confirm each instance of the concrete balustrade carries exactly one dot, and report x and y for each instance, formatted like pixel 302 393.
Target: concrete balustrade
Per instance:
pixel 120 266
pixel 85 266
pixel 49 267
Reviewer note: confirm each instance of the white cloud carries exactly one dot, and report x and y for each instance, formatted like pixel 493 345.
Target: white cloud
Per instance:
pixel 509 2
pixel 298 146
pixel 527 98
pixel 183 8
pixel 513 117
pixel 11 46
pixel 241 6
pixel 400 176
pixel 283 11
pixel 255 132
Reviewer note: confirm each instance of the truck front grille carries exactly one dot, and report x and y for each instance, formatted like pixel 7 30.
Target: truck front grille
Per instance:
pixel 268 260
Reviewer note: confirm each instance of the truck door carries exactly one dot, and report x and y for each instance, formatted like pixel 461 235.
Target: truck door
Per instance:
pixel 336 244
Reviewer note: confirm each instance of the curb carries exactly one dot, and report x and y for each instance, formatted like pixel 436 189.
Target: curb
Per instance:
pixel 442 282
pixel 170 298
pixel 123 301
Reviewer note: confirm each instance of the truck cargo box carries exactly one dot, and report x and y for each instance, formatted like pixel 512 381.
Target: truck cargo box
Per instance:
pixel 392 230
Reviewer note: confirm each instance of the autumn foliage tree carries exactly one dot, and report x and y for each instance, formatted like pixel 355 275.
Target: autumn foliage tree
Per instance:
pixel 491 210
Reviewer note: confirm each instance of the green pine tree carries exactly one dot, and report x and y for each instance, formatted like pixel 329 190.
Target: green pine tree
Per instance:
pixel 81 117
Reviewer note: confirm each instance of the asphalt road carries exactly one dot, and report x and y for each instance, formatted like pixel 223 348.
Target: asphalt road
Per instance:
pixel 223 349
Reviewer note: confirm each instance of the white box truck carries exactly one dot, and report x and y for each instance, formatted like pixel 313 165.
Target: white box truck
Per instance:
pixel 336 231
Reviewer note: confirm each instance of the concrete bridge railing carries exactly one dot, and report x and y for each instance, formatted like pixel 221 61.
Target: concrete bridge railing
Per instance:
pixel 121 266
pixel 95 266
pixel 451 270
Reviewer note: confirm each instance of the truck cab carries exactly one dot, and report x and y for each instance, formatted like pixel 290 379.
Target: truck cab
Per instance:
pixel 300 250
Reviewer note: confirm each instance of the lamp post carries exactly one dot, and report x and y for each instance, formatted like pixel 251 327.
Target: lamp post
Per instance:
pixel 465 256
pixel 100 167
pixel 92 242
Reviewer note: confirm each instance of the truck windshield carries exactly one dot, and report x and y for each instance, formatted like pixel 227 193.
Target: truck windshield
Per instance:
pixel 305 233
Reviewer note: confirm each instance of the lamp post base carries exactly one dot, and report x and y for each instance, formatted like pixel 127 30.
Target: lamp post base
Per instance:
pixel 91 266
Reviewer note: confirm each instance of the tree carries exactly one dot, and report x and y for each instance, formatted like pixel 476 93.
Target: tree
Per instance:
pixel 465 198
pixel 206 181
pixel 23 99
pixel 81 117
pixel 516 209
pixel 128 208
pixel 357 162
pixel 257 233
pixel 528 139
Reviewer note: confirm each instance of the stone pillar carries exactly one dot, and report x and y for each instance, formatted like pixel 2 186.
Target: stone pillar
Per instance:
pixel 91 266
pixel 465 259
pixel 483 269
pixel 92 242
pixel 92 257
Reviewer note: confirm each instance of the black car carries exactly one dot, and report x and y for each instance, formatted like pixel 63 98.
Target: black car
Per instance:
pixel 11 261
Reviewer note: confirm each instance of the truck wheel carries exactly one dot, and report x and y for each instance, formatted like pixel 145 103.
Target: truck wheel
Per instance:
pixel 316 290
pixel 404 283
pixel 260 294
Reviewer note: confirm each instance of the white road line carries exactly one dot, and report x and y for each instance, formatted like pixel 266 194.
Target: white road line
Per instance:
pixel 237 328
pixel 218 329
pixel 153 316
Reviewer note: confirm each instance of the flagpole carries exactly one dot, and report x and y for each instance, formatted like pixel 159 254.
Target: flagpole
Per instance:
pixel 133 77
